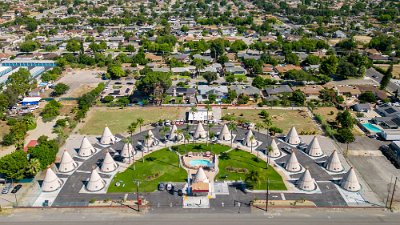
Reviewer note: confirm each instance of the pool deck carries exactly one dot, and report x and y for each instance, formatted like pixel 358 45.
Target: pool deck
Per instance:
pixel 210 172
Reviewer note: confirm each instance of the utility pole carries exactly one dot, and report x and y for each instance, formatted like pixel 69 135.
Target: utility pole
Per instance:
pixel 137 194
pixel 394 190
pixel 389 190
pixel 267 196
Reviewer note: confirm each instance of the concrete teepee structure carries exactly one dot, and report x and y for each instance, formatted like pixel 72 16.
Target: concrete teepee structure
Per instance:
pixel 150 133
pixel 149 142
pixel 292 165
pixel 95 183
pixel 292 137
pixel 200 132
pixel 306 182
pixel 201 176
pixel 350 181
pixel 314 149
pixel 51 182
pixel 275 152
pixel 67 163
pixel 333 163
pixel 225 135
pixel 107 137
pixel 249 141
pixel 173 136
pixel 86 148
pixel 109 165
pixel 127 150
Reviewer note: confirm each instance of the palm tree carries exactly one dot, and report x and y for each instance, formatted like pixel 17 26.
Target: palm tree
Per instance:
pixel 140 122
pixel 251 143
pixel 232 127
pixel 163 131
pixel 269 150
pixel 178 133
pixel 208 108
pixel 267 123
pixel 252 177
pixel 209 126
pixel 34 166
pixel 186 137
pixel 146 141
pixel 193 110
pixel 259 126
pixel 131 130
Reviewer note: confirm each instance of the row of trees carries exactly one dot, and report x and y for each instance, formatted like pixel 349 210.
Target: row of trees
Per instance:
pixel 18 129
pixel 87 100
pixel 19 165
pixel 17 85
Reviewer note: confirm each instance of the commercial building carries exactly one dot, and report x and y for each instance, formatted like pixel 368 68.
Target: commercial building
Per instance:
pixel 28 63
pixel 36 71
pixel 4 70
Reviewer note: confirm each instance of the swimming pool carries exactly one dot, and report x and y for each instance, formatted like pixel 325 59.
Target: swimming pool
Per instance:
pixel 372 127
pixel 200 162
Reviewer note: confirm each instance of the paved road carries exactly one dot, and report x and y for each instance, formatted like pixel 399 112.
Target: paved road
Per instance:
pixel 377 77
pixel 124 217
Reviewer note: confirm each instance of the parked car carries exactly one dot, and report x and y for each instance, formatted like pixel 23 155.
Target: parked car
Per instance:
pixel 16 188
pixel 170 187
pixel 6 189
pixel 161 186
pixel 180 192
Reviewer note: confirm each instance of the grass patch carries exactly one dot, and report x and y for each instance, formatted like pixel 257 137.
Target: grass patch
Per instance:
pixel 214 148
pixel 160 166
pixel 118 120
pixel 234 167
pixel 281 118
pixel 326 112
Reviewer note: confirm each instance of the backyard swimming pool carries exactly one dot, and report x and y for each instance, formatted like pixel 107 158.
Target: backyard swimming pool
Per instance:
pixel 372 127
pixel 200 162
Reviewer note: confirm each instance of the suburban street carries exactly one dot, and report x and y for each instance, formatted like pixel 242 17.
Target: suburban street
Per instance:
pixel 126 216
pixel 377 77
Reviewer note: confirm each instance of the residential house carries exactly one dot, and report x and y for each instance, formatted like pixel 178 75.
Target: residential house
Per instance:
pixel 188 94
pixel 248 90
pixel 277 90
pixel 380 94
pixel 236 70
pixel 351 91
pixel 311 91
pixel 204 90
pixel 366 107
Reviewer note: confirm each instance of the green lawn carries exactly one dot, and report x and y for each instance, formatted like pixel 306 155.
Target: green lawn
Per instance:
pixel 214 148
pixel 118 120
pixel 160 166
pixel 243 160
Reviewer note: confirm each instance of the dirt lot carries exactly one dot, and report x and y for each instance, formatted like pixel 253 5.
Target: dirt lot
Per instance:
pixel 282 118
pixel 119 119
pixel 396 69
pixel 83 89
pixel 80 81
pixel 326 112
pixel 363 39
pixel 67 107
